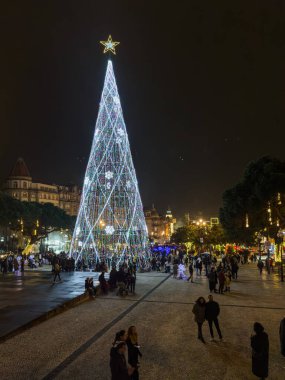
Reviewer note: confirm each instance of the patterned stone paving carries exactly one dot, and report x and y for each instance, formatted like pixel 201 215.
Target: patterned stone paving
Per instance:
pixel 76 343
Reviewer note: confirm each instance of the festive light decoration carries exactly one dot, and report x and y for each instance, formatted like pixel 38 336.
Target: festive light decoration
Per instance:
pixel 109 46
pixel 246 221
pixel 110 219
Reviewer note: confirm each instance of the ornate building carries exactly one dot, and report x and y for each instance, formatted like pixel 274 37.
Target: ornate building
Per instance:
pixel 160 228
pixel 19 185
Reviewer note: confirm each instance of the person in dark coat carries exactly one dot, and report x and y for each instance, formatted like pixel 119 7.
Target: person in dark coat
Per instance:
pixel 260 266
pixel 103 283
pixel 282 336
pixel 133 351
pixel 211 314
pixel 199 312
pixel 118 364
pixel 212 276
pixel 113 278
pixel 260 351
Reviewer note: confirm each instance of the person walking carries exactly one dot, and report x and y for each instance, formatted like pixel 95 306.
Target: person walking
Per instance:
pixel 260 351
pixel 282 336
pixel 212 312
pixel 235 270
pixel 260 266
pixel 56 272
pixel 212 276
pixel 228 281
pixel 22 265
pixel 191 270
pixel 175 270
pixel 199 313
pixel 200 267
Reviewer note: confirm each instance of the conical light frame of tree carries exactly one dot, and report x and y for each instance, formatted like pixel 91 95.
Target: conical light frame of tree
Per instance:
pixel 110 219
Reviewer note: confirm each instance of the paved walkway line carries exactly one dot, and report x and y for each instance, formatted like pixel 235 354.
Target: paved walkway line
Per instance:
pixel 222 305
pixel 80 350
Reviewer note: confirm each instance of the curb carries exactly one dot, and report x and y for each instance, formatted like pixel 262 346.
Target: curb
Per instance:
pixel 49 314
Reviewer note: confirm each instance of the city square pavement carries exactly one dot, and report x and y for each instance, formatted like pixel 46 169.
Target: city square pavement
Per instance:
pixel 24 298
pixel 76 344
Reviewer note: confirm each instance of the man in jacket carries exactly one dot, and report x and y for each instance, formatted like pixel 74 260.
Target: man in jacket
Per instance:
pixel 211 314
pixel 212 276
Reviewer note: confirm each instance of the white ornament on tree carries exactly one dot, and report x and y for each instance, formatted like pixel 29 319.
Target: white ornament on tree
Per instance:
pixel 109 175
pixel 116 100
pixel 120 132
pixel 109 230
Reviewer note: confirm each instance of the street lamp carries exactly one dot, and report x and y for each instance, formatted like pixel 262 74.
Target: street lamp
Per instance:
pixel 201 223
pixel 280 237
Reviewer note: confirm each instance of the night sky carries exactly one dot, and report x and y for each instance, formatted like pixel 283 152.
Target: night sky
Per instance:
pixel 201 86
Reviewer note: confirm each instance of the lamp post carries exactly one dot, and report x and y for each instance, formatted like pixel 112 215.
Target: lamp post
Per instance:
pixel 280 241
pixel 201 224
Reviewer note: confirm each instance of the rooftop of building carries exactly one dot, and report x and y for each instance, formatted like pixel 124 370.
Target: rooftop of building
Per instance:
pixel 20 169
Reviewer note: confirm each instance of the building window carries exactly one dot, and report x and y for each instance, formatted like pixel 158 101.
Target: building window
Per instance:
pixel 24 185
pixel 25 195
pixel 15 185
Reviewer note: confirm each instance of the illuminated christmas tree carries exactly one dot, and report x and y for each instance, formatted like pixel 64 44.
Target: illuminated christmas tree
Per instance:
pixel 110 219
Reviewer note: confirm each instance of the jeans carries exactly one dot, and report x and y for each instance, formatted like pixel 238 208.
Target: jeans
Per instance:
pixel 212 285
pixel 135 375
pixel 200 335
pixel 56 274
pixel 216 322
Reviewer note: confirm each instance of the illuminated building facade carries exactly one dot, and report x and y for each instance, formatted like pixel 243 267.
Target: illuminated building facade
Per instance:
pixel 160 228
pixel 20 185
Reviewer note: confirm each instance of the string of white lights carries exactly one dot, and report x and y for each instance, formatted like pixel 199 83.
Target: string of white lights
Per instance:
pixel 110 220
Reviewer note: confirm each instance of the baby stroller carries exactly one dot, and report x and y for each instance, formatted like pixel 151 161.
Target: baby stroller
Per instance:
pixel 122 289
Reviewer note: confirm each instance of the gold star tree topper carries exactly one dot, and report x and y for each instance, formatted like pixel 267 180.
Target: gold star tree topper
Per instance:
pixel 109 45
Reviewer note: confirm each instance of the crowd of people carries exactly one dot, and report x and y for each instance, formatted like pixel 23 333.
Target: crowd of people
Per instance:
pixel 125 351
pixel 122 280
